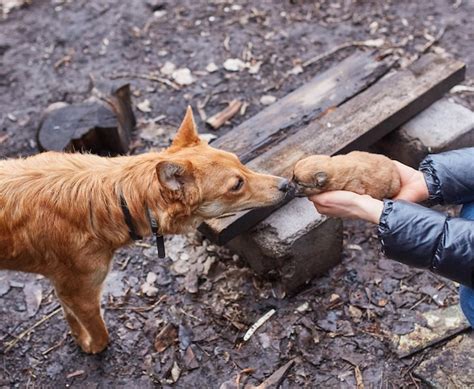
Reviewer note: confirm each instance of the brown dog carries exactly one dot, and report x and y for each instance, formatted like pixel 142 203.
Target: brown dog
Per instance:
pixel 61 214
pixel 358 171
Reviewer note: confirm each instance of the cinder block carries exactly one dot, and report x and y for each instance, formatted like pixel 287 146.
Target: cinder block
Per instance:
pixel 294 244
pixel 444 125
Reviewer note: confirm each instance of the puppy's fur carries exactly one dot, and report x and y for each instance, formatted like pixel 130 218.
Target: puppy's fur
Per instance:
pixel 60 214
pixel 359 172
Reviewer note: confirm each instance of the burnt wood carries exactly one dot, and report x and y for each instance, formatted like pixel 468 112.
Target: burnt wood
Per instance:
pixel 101 126
pixel 355 125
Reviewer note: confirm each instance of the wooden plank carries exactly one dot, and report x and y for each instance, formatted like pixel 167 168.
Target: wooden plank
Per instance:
pixel 356 124
pixel 285 117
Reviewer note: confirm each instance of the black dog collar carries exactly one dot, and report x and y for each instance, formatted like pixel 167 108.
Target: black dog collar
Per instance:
pixel 155 229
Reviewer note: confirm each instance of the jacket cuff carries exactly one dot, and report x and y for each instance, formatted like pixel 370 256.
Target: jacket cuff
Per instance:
pixel 383 227
pixel 432 181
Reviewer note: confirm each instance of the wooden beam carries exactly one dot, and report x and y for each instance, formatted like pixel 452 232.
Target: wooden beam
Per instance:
pixel 356 124
pixel 291 113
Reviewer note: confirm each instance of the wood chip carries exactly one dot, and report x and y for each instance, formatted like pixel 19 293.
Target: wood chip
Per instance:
pixel 76 373
pixel 220 118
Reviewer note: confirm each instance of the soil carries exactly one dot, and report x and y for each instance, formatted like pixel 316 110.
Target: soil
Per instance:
pixel 341 324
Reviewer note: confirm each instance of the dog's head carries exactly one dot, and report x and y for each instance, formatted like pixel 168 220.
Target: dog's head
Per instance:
pixel 213 182
pixel 311 175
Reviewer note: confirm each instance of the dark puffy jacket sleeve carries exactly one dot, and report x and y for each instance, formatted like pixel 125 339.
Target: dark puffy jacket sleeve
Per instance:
pixel 425 238
pixel 450 176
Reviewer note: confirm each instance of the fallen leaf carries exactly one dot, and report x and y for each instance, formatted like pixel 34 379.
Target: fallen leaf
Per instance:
pixel 168 68
pixel 234 65
pixel 183 76
pixel 33 296
pixel 149 290
pixel 191 282
pixel 190 360
pixel 166 337
pixel 255 67
pixel 296 70
pixel 267 99
pixel 175 372
pixel 212 67
pixel 144 106
pixel 4 284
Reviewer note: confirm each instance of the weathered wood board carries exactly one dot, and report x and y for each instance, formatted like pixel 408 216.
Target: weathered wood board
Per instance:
pixel 293 112
pixel 356 124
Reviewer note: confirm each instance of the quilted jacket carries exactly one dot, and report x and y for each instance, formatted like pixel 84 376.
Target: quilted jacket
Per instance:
pixel 425 238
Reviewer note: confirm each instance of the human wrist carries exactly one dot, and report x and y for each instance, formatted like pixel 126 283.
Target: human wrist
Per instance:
pixel 423 190
pixel 369 209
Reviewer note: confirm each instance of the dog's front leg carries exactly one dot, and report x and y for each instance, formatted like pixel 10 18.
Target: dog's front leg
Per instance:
pixel 79 291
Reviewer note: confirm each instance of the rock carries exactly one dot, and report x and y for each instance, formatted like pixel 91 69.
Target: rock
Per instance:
pixel 267 99
pixel 442 126
pixel 294 244
pixel 440 324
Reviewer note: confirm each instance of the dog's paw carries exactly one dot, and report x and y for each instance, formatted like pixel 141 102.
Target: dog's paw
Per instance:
pixel 90 346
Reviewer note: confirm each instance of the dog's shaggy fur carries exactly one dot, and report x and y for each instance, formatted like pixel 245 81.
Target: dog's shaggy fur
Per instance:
pixel 60 214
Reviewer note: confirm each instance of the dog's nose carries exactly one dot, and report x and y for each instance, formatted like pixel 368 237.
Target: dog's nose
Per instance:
pixel 284 185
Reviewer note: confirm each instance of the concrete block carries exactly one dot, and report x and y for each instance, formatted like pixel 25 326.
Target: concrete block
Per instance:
pixel 444 125
pixel 294 244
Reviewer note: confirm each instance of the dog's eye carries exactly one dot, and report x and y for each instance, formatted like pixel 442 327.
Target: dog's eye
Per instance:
pixel 238 185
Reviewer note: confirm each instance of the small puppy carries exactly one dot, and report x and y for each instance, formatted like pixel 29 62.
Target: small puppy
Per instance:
pixel 358 172
pixel 64 215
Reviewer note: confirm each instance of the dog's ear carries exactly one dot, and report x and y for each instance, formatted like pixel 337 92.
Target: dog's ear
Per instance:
pixel 187 135
pixel 174 175
pixel 320 179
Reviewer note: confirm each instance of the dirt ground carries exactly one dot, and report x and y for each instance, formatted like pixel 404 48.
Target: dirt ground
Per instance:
pixel 341 324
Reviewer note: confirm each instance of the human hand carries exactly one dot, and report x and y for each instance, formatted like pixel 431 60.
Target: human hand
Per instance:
pixel 413 185
pixel 350 205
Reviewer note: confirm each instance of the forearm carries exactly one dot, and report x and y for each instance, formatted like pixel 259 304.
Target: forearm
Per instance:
pixel 425 238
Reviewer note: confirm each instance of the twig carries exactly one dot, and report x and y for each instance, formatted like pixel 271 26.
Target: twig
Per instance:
pixel 419 302
pixel 436 39
pixel 124 264
pixel 260 322
pixel 57 345
pixel 247 371
pixel 357 374
pixel 277 377
pixel 13 342
pixel 223 116
pixel 334 50
pixel 161 80
pixel 139 309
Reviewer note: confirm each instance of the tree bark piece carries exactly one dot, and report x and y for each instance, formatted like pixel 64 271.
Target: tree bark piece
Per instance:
pixel 100 126
pixel 355 125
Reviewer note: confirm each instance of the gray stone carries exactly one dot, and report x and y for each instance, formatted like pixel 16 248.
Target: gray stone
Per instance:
pixel 451 366
pixel 294 244
pixel 444 125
